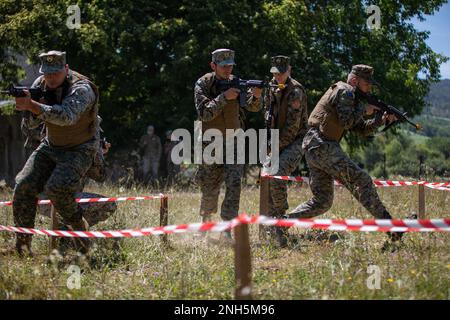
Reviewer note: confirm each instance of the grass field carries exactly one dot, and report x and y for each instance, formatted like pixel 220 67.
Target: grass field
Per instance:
pixel 198 267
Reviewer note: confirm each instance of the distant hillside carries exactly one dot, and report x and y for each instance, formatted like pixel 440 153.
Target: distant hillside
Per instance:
pixel 439 99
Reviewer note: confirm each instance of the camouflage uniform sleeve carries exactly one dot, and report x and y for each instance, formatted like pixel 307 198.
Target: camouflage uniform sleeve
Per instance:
pixel 78 101
pixel 266 103
pixel 253 103
pixel 266 100
pixel 348 114
pixel 207 108
pixel 30 122
pixel 368 127
pixel 296 118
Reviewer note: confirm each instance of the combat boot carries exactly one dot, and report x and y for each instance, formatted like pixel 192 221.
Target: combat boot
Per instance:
pixel 228 237
pixel 64 243
pixel 281 236
pixel 23 243
pixel 277 236
pixel 206 218
pixel 81 245
pixel 395 237
pixel 22 247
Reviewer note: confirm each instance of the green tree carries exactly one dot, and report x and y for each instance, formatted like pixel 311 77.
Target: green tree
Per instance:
pixel 146 55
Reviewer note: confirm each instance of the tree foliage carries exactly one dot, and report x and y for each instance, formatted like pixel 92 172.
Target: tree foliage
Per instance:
pixel 146 55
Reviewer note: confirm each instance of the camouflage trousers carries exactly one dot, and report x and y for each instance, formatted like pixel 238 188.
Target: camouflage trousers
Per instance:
pixel 210 178
pixel 289 159
pixel 59 173
pixel 326 163
pixel 150 169
pixel 93 213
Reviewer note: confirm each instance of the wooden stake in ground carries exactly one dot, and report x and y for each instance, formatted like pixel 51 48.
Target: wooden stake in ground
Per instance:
pixel 421 202
pixel 421 189
pixel 242 263
pixel 164 217
pixel 263 203
pixel 54 223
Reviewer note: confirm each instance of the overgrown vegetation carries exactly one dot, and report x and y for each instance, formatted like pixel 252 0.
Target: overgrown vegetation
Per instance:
pixel 197 268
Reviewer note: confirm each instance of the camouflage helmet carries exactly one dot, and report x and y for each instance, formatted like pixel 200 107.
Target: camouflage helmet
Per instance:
pixel 365 72
pixel 52 61
pixel 280 64
pixel 223 57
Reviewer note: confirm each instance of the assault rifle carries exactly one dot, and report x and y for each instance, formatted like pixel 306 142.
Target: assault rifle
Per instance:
pixel 243 85
pixel 389 109
pixel 19 92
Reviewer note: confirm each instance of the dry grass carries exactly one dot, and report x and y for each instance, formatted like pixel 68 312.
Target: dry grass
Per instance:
pixel 198 268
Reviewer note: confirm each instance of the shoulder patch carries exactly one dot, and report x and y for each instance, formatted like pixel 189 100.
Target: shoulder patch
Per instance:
pixel 349 94
pixel 296 97
pixel 296 104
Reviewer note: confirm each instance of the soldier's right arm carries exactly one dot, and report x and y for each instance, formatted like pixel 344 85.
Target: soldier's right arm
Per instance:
pixel 268 100
pixel 207 108
pixel 370 126
pixel 80 99
pixel 31 122
pixel 348 113
pixel 296 119
pixel 25 125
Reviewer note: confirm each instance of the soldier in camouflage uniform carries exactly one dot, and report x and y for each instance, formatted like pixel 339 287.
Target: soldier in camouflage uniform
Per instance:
pixel 288 111
pixel 221 111
pixel 61 161
pixel 93 213
pixel 340 110
pixel 152 150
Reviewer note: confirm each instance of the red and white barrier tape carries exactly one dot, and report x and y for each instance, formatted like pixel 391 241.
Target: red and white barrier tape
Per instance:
pixel 130 233
pixel 381 225
pixel 86 200
pixel 431 225
pixel 445 186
